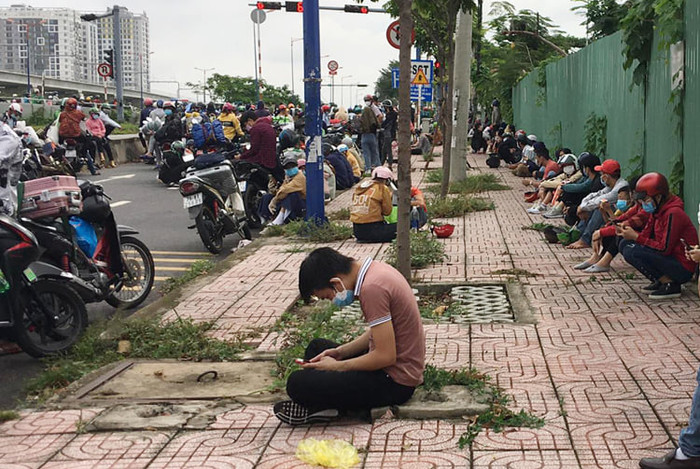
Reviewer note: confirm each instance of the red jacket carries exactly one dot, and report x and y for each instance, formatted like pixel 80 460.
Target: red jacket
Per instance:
pixel 666 227
pixel 634 217
pixel 263 144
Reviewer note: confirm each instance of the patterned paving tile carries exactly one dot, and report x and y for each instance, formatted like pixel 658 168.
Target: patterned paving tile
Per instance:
pixel 615 459
pixel 252 416
pixel 599 389
pixel 44 423
pixel 237 461
pixel 553 436
pixel 287 438
pixel 673 414
pixel 563 459
pixel 205 444
pixel 113 446
pixel 423 460
pixel 415 436
pixel 124 463
pixel 30 449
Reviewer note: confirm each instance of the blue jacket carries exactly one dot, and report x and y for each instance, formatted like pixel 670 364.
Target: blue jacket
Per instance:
pixel 343 171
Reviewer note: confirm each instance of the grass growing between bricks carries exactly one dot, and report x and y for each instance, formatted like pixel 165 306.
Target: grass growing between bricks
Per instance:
pixel 303 323
pixel 198 268
pixel 425 251
pixel 323 233
pixel 451 207
pixel 148 338
pixel 471 185
pixel 6 415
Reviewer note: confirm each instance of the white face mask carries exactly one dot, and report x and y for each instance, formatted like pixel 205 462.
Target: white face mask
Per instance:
pixel 569 170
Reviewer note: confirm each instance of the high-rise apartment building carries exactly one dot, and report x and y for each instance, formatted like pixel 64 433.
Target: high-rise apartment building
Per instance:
pixel 57 43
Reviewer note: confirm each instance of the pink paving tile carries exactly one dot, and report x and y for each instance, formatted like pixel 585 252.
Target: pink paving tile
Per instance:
pixel 424 460
pixel 599 389
pixel 237 461
pixel 447 353
pixel 563 459
pixel 508 359
pixel 287 438
pixel 415 436
pixel 633 413
pixel 620 434
pixel 113 446
pixel 23 465
pixel 668 386
pixel 600 458
pixel 536 397
pixel 289 461
pixel 673 414
pixel 30 449
pixel 252 416
pixel 204 444
pixel 43 423
pixel 446 331
pixel 125 463
pixel 553 436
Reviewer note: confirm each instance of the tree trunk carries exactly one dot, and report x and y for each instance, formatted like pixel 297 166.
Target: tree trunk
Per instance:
pixel 448 108
pixel 462 90
pixel 477 51
pixel 403 240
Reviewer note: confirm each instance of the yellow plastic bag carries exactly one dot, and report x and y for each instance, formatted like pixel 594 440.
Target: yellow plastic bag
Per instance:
pixel 327 453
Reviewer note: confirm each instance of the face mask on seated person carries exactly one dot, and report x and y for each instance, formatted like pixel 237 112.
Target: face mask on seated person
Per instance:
pixel 622 205
pixel 291 172
pixel 344 297
pixel 569 170
pixel 648 207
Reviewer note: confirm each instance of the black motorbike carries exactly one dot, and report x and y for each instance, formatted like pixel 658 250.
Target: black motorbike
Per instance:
pixel 255 180
pixel 38 305
pixel 120 269
pixel 213 199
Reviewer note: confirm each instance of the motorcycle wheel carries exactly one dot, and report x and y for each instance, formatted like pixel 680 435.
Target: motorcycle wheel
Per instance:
pixel 30 330
pixel 251 202
pixel 212 237
pixel 138 281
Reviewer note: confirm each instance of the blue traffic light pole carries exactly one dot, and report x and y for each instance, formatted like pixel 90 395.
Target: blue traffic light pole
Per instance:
pixel 312 102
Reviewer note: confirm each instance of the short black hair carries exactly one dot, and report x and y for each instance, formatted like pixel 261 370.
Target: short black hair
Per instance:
pixel 248 115
pixel 319 267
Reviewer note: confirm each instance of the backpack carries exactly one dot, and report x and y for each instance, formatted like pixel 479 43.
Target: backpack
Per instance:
pixel 493 161
pixel 217 131
pixel 200 134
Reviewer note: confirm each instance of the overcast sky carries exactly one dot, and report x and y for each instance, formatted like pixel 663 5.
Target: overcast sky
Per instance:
pixel 219 34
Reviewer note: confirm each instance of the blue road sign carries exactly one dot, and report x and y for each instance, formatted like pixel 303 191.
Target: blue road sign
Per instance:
pixel 394 77
pixel 426 67
pixel 426 94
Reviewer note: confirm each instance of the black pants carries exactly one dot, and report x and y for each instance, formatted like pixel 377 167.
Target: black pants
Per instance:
pixel 378 232
pixel 611 245
pixel 343 390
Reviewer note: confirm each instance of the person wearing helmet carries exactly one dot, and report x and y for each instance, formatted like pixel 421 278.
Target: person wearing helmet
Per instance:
pixel 389 126
pixel 69 123
pixel 230 123
pixel 289 203
pixel 369 124
pixel 345 151
pixel 158 112
pixel 546 190
pixel 97 130
pixel 172 127
pixel 590 210
pixel 283 119
pixel 573 193
pixel 371 202
pixel 12 115
pixel 326 116
pixel 147 109
pixel 658 252
pixel 341 166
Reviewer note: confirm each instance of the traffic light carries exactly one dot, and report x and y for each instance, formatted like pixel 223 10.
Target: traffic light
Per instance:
pixel 109 58
pixel 356 9
pixel 269 5
pixel 294 7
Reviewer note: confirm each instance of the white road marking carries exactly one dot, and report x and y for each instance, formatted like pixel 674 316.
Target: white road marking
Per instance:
pixel 120 203
pixel 114 178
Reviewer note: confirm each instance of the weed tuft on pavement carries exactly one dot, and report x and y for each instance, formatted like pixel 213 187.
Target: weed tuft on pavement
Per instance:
pixel 471 185
pixel 340 215
pixel 6 415
pixel 425 251
pixel 451 207
pixel 324 233
pixel 198 268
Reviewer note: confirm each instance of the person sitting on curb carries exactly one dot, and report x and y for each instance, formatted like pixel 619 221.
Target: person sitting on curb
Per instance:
pixel 344 177
pixel 658 251
pixel 589 212
pixel 371 202
pixel 419 209
pixel 569 173
pixel 380 368
pixel 290 200
pixel 687 455
pixel 605 240
pixel 356 171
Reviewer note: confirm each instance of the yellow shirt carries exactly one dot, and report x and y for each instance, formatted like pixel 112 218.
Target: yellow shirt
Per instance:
pixel 371 202
pixel 232 127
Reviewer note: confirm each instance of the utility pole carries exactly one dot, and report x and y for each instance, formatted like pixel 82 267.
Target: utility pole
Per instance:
pixel 118 64
pixel 460 97
pixel 204 83
pixel 312 97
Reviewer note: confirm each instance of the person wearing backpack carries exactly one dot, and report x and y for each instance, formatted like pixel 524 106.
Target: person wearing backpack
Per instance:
pixel 369 124
pixel 232 127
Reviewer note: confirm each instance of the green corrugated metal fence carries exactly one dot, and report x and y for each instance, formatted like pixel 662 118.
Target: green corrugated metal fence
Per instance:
pixel 642 126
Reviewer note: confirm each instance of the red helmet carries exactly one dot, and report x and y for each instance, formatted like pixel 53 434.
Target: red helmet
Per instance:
pixel 168 104
pixel 282 106
pixel 72 102
pixel 369 97
pixel 148 102
pixel 650 185
pixel 325 108
pixel 227 107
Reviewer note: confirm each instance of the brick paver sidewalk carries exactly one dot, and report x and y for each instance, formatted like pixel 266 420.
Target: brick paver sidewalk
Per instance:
pixel 611 372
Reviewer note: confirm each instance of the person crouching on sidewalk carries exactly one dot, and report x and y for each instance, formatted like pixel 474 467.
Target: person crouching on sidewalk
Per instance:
pixel 289 203
pixel 371 202
pixel 380 368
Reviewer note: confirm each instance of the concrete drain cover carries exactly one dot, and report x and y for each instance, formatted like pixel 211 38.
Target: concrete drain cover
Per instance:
pixel 163 381
pixel 481 304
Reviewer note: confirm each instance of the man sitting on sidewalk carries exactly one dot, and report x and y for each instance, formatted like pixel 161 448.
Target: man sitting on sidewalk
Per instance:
pixel 381 367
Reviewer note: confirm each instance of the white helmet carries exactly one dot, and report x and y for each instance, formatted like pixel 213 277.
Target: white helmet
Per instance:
pixel 16 107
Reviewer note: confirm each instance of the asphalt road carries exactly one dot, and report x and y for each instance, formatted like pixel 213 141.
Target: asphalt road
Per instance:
pixel 141 201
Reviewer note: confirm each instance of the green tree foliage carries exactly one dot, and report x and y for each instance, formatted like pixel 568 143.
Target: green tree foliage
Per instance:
pixel 522 41
pixel 603 17
pixel 383 86
pixel 242 90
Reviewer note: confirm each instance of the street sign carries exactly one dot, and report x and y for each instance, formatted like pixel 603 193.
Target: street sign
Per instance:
pixel 393 35
pixel 332 72
pixel 420 78
pixel 258 16
pixel 426 69
pixel 425 93
pixel 394 77
pixel 421 71
pixel 332 65
pixel 104 70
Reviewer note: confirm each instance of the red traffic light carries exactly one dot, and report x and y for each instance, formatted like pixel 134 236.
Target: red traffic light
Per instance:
pixel 269 5
pixel 356 9
pixel 437 64
pixel 297 7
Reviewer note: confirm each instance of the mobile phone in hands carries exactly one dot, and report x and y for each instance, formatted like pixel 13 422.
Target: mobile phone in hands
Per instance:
pixel 300 361
pixel 686 245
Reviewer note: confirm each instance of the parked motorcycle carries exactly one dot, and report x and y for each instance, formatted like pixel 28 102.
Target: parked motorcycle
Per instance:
pixel 213 199
pixel 44 314
pixel 255 180
pixel 115 266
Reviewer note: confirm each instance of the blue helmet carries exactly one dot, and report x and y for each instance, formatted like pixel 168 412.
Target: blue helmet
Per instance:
pixel 159 103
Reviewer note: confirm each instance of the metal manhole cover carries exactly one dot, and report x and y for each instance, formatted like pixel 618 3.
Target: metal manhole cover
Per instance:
pixel 481 304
